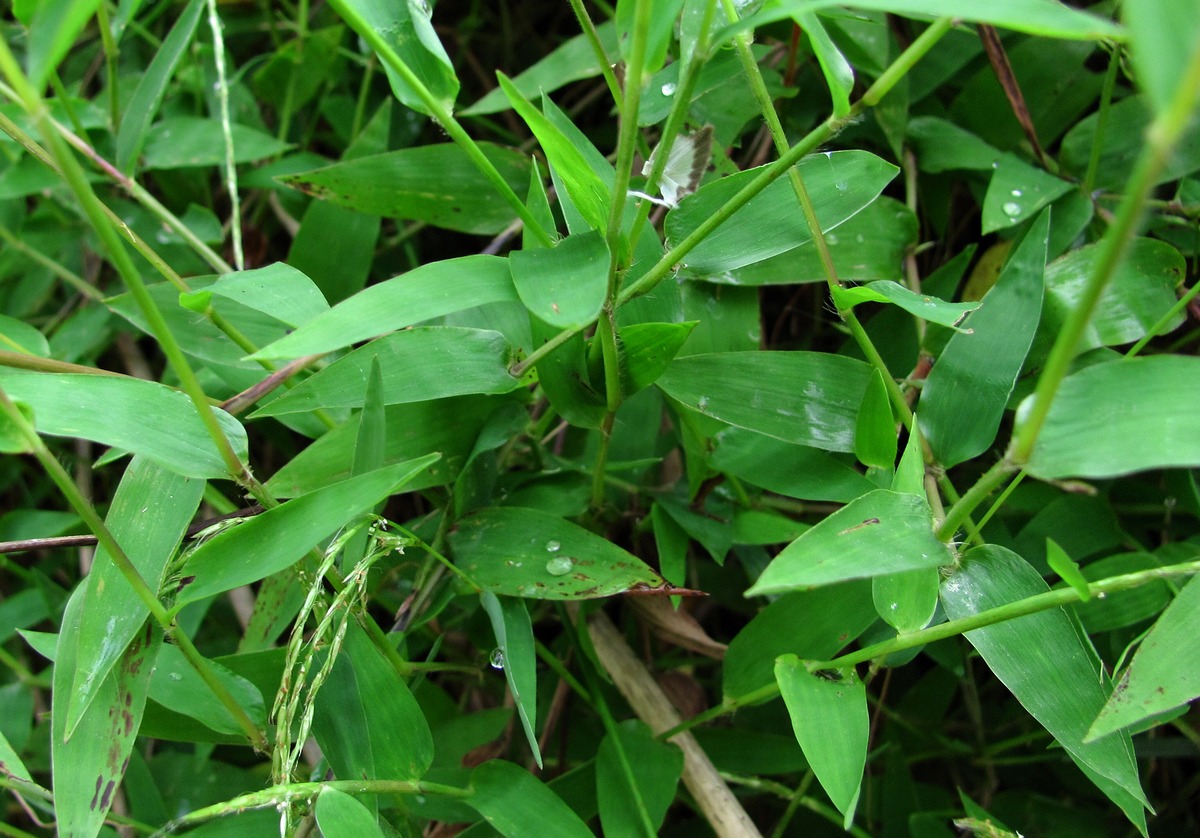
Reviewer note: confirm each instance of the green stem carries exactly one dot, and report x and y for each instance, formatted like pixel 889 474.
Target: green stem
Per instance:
pixel 296 792
pixel 593 39
pixel 441 114
pixel 231 182
pixel 1162 136
pixel 984 486
pixel 952 628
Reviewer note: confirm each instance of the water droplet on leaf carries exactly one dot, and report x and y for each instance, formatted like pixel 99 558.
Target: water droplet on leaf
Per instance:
pixel 560 565
pixel 497 658
pixel 553 546
pixel 668 89
pixel 1011 209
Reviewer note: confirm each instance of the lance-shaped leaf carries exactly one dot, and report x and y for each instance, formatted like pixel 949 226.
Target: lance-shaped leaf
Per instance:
pixel 584 187
pixel 514 638
pixel 421 364
pixel 278 290
pixel 430 291
pixel 1151 419
pixel 564 285
pixel 148 516
pixel 808 398
pixel 530 553
pixel 1045 663
pixel 921 305
pixel 653 774
pixel 341 816
pixel 840 184
pixel 966 392
pixel 1155 681
pixel 880 533
pixel 829 716
pixel 365 719
pixel 438 184
pixel 406 28
pixel 517 804
pixel 279 537
pixel 128 413
pixel 90 765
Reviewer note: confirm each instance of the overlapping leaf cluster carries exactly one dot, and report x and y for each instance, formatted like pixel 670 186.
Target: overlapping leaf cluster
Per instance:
pixel 905 386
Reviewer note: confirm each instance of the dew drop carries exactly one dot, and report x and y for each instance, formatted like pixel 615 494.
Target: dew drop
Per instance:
pixel 831 239
pixel 1016 193
pixel 553 546
pixel 668 89
pixel 497 658
pixel 560 565
pixel 702 403
pixel 175 676
pixel 1011 209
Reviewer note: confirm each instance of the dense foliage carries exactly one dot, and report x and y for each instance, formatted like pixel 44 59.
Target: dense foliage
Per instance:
pixel 682 417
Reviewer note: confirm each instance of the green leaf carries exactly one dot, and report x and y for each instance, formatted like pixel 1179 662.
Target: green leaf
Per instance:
pixel 128 413
pixel 793 470
pixel 573 61
pixel 1037 17
pixel 181 142
pixel 841 183
pixel 868 246
pixel 875 442
pixel 19 336
pixel 1150 421
pixel 150 511
pixel 89 766
pixel 671 543
pixel 430 291
pixel 1139 295
pixel 654 769
pixel 663 20
pixel 514 638
pixel 278 290
pixel 566 381
pixel 584 187
pixel 529 553
pixel 647 349
pixel 1047 666
pixel 148 95
pixel 829 715
pixel 839 75
pixel 177 686
pixel 968 389
pixel 438 184
pixel 1120 139
pixel 412 430
pixel 406 28
pixel 910 472
pixel 279 537
pixel 906 601
pixel 341 816
pixel 1017 192
pixel 1067 570
pixel 880 533
pixel 1163 37
pixel 420 364
pixel 943 146
pixel 519 805
pixel 54 27
pixel 920 305
pixel 1155 680
pixel 565 285
pixel 815 625
pixel 366 721
pixel 807 398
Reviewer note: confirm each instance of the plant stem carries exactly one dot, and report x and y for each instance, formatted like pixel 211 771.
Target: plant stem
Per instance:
pixel 1010 611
